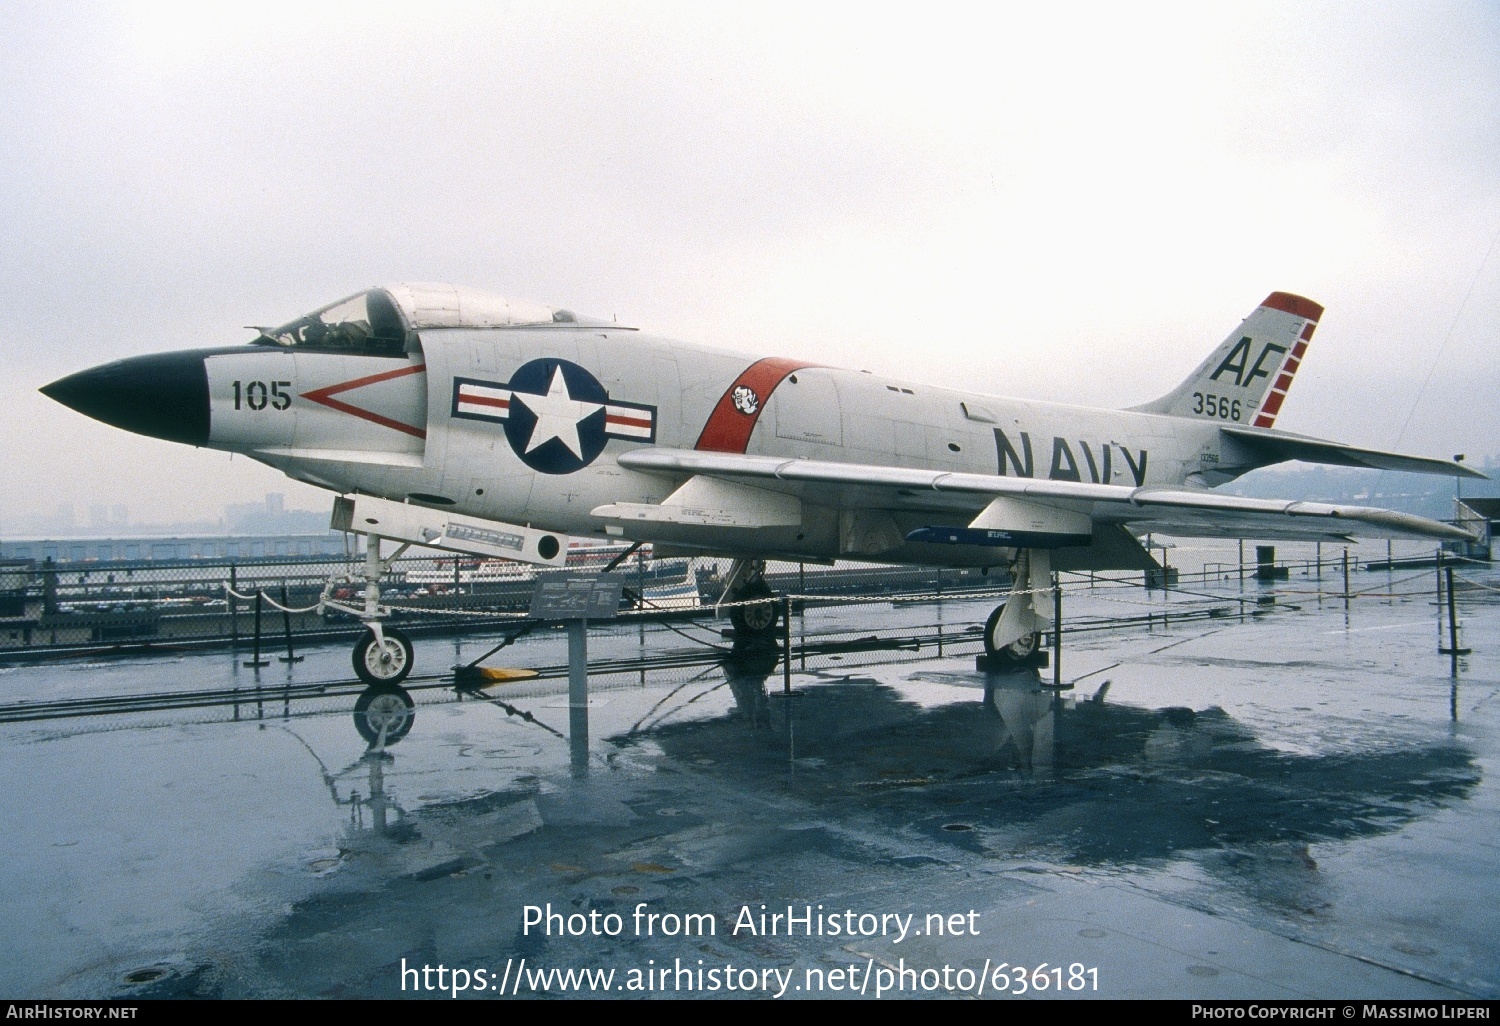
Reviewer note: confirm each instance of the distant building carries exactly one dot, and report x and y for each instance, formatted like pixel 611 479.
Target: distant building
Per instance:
pixel 272 517
pixel 1480 515
pixel 159 548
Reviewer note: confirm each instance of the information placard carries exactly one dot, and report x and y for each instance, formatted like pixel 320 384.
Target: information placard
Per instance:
pixel 576 596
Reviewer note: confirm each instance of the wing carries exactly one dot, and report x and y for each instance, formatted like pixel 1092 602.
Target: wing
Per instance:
pixel 1001 510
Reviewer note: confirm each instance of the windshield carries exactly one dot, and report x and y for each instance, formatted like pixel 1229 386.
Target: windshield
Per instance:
pixel 365 323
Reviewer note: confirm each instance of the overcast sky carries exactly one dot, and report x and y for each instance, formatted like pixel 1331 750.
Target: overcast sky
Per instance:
pixel 1073 203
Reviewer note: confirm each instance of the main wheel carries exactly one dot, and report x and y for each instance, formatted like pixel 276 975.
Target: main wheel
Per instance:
pixel 388 663
pixel 384 709
pixel 755 622
pixel 1015 653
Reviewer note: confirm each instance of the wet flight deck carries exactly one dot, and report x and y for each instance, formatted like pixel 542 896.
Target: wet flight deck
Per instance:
pixel 1236 797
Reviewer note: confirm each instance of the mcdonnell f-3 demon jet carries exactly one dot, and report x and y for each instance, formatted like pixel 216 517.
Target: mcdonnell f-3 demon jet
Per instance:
pixel 459 420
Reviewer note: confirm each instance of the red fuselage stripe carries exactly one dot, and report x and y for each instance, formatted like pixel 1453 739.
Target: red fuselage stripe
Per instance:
pixel 728 429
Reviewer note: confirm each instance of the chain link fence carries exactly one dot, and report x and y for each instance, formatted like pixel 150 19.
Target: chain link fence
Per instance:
pixel 842 618
pixel 52 609
pixel 56 608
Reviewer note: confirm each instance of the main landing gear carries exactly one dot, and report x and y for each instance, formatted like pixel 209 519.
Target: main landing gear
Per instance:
pixel 755 620
pixel 1012 634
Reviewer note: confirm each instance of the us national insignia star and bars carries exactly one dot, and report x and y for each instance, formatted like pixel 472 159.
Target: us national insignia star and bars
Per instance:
pixel 557 416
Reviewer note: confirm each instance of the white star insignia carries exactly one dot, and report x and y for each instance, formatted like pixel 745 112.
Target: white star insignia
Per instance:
pixel 558 415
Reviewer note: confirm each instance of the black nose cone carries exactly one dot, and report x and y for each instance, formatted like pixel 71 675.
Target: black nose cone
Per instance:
pixel 164 395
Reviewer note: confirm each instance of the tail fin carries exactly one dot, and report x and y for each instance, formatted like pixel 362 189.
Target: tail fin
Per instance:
pixel 1246 379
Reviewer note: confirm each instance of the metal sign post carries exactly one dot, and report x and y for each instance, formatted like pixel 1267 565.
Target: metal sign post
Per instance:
pixel 578 695
pixel 575 599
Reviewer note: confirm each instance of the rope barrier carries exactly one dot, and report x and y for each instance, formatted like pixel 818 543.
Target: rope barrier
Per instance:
pixel 1477 584
pixel 265 597
pixel 496 614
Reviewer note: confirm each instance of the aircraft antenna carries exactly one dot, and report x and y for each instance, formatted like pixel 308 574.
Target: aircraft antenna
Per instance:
pixel 1446 339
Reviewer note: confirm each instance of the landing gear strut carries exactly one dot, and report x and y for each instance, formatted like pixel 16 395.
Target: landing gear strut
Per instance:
pixel 1012 634
pixel 384 656
pixel 755 622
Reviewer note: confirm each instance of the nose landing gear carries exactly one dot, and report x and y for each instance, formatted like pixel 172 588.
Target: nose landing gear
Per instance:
pixel 384 656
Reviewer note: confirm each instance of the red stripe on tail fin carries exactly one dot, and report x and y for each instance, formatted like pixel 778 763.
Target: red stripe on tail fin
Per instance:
pixel 1291 304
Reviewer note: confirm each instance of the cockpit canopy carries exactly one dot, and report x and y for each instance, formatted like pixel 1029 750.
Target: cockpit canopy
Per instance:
pixel 385 321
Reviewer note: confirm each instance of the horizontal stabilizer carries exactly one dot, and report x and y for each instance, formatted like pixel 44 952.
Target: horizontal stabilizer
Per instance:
pixel 1278 446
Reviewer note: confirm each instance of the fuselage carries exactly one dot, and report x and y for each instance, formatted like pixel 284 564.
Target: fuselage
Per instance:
pixel 437 426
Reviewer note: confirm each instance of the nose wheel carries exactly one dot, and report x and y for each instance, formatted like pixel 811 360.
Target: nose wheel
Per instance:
pixel 383 656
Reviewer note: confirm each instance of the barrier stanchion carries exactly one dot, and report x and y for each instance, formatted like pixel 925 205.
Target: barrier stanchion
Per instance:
pixel 786 644
pixel 234 611
pixel 286 623
pixel 256 662
pixel 1452 649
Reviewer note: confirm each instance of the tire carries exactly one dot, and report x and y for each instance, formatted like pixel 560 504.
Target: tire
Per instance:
pixel 384 708
pixel 1017 652
pixel 388 665
pixel 757 622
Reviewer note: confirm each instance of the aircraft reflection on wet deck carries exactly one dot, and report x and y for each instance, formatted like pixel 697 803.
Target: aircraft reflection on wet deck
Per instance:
pixel 1286 806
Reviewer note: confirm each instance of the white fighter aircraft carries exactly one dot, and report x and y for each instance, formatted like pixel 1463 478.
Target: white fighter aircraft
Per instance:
pixel 455 419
